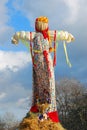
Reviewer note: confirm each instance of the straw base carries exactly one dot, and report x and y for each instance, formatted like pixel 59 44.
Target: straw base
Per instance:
pixel 32 123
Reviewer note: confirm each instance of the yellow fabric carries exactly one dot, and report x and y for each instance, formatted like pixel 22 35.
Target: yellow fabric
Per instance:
pixel 66 54
pixel 37 51
pixel 50 43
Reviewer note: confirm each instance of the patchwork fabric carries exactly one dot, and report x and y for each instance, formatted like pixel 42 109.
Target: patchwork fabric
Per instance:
pixel 43 82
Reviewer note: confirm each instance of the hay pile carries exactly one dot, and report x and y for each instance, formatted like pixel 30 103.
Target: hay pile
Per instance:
pixel 32 123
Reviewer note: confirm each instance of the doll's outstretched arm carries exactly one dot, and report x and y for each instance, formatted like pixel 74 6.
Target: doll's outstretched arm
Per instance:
pixel 62 36
pixel 22 35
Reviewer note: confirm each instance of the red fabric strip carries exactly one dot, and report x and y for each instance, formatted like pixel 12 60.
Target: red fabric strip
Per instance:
pixel 54 60
pixel 53 116
pixel 34 109
pixel 45 53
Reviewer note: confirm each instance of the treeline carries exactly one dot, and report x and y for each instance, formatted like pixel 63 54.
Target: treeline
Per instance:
pixel 71 98
pixel 8 122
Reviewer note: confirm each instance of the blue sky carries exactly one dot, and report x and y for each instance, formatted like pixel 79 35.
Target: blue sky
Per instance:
pixel 15 61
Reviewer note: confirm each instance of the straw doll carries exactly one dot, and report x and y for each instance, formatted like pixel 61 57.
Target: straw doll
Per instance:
pixel 42 43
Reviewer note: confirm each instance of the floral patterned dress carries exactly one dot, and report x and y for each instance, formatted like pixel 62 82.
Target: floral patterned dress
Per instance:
pixel 43 73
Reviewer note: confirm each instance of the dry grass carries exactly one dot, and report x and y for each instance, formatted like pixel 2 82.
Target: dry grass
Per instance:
pixel 34 124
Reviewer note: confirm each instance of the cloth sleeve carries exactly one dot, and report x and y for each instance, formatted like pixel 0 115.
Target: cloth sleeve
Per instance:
pixel 22 35
pixel 62 36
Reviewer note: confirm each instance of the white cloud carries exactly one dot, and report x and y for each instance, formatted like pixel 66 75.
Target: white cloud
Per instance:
pixel 24 102
pixel 5 30
pixel 73 6
pixel 14 95
pixel 3 12
pixel 58 11
pixel 2 95
pixel 13 60
pixel 13 80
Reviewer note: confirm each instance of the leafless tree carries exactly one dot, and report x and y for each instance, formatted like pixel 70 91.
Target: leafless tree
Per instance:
pixel 10 121
pixel 2 124
pixel 72 103
pixel 67 92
